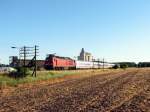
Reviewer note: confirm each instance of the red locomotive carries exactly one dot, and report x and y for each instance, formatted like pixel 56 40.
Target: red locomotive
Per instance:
pixel 53 62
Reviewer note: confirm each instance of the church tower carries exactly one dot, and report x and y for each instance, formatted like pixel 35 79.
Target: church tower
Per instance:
pixel 85 56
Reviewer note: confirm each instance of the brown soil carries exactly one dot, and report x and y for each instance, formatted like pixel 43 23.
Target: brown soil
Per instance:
pixel 121 91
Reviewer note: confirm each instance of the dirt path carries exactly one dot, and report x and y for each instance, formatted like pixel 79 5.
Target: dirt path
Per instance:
pixel 125 91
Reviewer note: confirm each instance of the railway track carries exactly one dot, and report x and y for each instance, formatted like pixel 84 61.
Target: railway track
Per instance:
pixel 125 91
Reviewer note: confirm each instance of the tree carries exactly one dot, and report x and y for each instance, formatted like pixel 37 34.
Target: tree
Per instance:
pixel 116 66
pixel 123 66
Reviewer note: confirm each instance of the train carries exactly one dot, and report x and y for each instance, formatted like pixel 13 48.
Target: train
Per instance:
pixel 53 62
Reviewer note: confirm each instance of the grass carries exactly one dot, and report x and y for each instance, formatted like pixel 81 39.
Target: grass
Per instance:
pixel 41 76
pixel 8 81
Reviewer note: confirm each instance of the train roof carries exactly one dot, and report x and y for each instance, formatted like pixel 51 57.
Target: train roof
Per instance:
pixel 59 57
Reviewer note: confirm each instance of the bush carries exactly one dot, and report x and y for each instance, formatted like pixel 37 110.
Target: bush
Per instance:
pixel 123 66
pixel 116 67
pixel 21 72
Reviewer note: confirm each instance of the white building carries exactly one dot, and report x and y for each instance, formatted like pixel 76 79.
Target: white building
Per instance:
pixel 85 56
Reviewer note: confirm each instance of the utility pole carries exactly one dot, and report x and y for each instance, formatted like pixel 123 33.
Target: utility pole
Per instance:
pixel 28 52
pixel 24 60
pixel 98 63
pixel 93 62
pixel 35 60
pixel 18 63
pixel 103 63
pixel 25 53
pixel 19 57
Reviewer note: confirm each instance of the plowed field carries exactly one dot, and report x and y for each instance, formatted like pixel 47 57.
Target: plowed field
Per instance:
pixel 124 91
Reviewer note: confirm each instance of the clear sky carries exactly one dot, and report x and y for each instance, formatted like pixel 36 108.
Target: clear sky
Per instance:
pixel 118 30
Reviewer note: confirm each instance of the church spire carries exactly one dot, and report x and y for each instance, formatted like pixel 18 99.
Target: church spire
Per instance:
pixel 82 51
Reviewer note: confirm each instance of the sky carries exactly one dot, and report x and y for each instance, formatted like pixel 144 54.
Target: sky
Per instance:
pixel 117 30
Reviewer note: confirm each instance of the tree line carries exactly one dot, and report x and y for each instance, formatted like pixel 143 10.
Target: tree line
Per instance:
pixel 133 64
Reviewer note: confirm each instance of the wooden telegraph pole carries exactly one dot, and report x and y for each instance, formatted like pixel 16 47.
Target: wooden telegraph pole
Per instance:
pixel 28 52
pixel 36 52
pixel 103 64
pixel 98 63
pixel 24 60
pixel 35 60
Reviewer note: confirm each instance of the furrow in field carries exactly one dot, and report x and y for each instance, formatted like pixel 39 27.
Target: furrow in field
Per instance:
pixel 83 94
